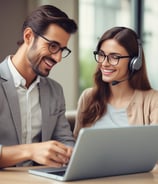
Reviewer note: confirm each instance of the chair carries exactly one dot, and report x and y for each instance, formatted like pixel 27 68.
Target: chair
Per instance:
pixel 71 115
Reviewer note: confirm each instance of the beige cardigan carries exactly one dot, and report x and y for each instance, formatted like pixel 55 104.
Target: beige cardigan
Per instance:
pixel 142 110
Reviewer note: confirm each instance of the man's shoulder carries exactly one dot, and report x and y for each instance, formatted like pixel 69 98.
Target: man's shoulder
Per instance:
pixel 4 69
pixel 3 62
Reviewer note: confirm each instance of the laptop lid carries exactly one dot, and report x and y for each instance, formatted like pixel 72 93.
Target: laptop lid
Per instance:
pixel 109 152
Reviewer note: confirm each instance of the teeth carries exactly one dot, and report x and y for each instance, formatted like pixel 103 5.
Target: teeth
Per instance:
pixel 48 62
pixel 108 71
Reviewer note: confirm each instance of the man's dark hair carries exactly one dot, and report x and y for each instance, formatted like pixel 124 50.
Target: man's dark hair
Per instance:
pixel 42 17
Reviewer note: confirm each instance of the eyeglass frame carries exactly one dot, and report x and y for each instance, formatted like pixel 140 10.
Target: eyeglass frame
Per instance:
pixel 54 42
pixel 117 57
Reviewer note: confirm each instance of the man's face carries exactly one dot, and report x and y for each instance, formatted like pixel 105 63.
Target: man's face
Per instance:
pixel 39 55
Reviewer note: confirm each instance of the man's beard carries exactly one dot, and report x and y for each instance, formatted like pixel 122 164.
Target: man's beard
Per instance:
pixel 35 61
pixel 35 68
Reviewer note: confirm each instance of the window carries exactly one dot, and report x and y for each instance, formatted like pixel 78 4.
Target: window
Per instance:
pixel 94 18
pixel 150 39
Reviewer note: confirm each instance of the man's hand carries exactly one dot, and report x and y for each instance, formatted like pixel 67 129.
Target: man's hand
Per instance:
pixel 51 153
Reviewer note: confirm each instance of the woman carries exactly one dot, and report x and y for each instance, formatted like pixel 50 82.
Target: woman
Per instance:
pixel 121 95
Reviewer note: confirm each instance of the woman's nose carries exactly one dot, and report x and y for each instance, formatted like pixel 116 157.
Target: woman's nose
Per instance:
pixel 106 61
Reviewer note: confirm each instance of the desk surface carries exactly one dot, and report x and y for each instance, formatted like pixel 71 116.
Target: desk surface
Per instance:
pixel 21 176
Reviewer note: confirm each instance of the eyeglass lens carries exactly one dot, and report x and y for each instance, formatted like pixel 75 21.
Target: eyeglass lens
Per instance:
pixel 111 58
pixel 54 47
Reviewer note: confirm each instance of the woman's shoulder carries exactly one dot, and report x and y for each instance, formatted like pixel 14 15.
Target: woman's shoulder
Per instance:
pixel 85 95
pixel 87 92
pixel 151 93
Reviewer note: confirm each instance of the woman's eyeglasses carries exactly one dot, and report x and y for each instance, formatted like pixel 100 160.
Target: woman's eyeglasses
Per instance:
pixel 112 59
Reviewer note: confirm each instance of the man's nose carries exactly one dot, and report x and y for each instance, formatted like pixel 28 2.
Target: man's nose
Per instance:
pixel 57 57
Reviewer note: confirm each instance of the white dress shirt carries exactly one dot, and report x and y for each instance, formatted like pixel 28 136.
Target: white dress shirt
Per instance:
pixel 29 106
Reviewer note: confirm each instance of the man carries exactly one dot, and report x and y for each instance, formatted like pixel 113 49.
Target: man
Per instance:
pixel 33 126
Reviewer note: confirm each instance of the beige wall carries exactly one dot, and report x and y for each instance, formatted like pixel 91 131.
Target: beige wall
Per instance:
pixel 11 18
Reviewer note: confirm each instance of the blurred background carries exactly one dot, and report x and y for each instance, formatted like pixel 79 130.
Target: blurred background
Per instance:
pixel 75 73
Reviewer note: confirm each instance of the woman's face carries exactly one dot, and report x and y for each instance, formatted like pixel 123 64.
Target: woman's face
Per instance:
pixel 112 68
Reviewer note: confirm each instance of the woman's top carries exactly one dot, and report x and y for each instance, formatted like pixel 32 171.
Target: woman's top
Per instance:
pixel 113 118
pixel 141 110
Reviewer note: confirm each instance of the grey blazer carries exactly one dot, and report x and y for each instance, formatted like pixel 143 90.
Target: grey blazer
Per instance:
pixel 54 123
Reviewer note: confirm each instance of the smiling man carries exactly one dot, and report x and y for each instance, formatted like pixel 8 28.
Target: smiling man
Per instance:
pixel 33 127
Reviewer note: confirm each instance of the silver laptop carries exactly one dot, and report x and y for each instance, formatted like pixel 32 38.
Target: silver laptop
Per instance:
pixel 108 152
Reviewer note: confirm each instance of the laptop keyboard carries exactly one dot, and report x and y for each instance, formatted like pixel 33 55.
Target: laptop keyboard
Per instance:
pixel 59 173
pixel 56 171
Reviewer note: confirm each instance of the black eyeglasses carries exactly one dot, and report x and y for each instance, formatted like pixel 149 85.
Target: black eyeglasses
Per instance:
pixel 54 47
pixel 112 59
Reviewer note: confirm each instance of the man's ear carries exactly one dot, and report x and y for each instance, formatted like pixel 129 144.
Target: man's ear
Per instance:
pixel 28 35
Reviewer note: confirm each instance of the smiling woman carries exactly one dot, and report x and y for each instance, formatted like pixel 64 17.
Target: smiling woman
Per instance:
pixel 121 95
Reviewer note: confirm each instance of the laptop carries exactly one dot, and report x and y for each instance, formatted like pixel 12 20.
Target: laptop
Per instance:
pixel 108 152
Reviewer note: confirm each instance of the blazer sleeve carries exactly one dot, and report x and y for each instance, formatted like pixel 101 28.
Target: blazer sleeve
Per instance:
pixel 55 126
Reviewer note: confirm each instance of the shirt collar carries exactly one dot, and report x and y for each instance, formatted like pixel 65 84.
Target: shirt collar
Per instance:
pixel 19 80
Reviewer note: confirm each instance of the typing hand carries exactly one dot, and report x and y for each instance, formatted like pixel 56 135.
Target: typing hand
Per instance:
pixel 51 153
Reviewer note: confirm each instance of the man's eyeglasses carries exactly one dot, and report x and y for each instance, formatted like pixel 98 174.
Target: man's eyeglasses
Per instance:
pixel 54 47
pixel 112 59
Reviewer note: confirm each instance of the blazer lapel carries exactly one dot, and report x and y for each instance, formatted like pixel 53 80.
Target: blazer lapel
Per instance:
pixel 44 91
pixel 47 128
pixel 12 97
